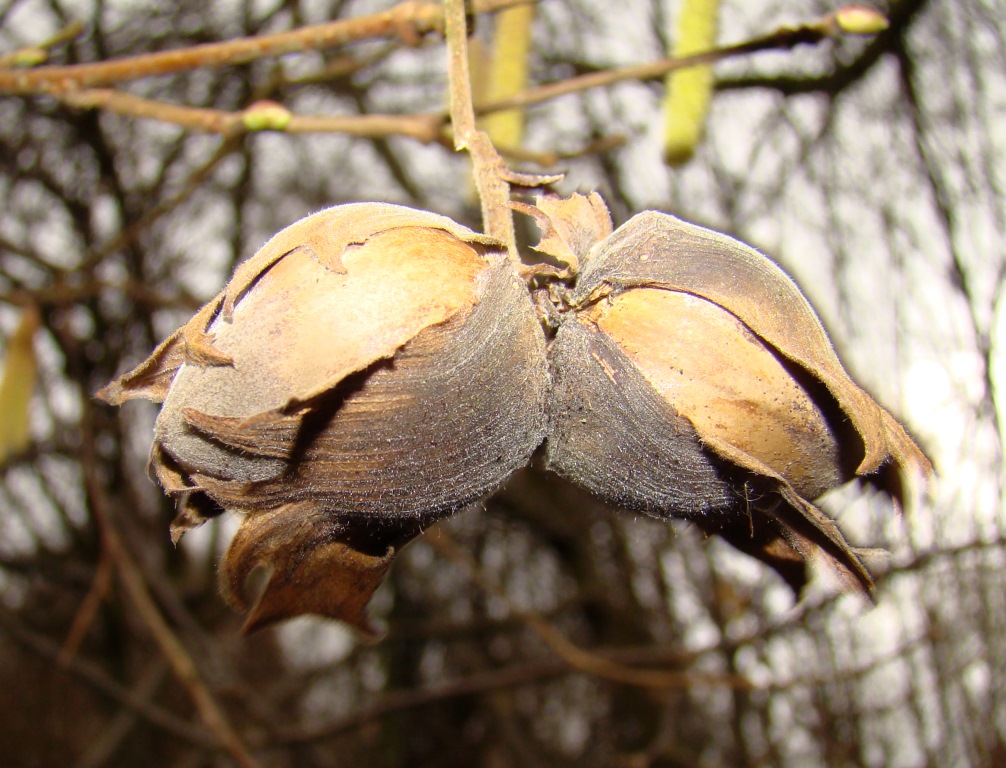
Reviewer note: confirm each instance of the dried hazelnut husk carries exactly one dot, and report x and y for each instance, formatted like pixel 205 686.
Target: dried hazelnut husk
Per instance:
pixel 370 370
pixel 373 369
pixel 692 379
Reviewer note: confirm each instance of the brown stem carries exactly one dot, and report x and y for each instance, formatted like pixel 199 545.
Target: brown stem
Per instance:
pixel 36 54
pixel 74 86
pixel 181 662
pixel 487 166
pixel 132 232
pixel 525 673
pixel 425 128
pixel 407 20
pixel 97 678
pixel 783 38
pixel 88 610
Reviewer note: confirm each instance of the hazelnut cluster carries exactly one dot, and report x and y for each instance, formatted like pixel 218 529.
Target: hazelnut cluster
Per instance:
pixel 374 368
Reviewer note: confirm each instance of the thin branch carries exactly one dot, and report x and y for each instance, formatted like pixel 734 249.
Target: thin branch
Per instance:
pixel 181 662
pixel 96 677
pixel 398 701
pixel 549 159
pixel 36 54
pixel 131 233
pixel 408 20
pixel 490 171
pixel 783 38
pixel 487 165
pixel 901 16
pixel 102 746
pixel 576 657
pixel 528 673
pixel 961 278
pixel 88 610
pixel 64 295
pixel 185 669
pixel 423 128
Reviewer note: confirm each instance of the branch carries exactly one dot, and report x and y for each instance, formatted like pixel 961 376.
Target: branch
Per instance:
pixel 900 17
pixel 261 116
pixel 487 166
pixel 88 610
pixel 103 745
pixel 573 655
pixel 36 54
pixel 408 20
pixel 96 677
pixel 185 669
pixel 479 682
pixel 74 86
pixel 783 38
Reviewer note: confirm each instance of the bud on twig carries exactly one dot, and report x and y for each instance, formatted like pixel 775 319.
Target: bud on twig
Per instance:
pixel 266 116
pixel 857 20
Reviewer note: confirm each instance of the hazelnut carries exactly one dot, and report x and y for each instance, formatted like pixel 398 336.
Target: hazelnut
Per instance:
pixel 373 369
pixel 370 370
pixel 692 379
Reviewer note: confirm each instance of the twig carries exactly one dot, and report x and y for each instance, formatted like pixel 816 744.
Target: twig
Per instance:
pixel 101 747
pixel 550 159
pixel 423 128
pixel 33 55
pixel 63 294
pixel 74 85
pixel 527 673
pixel 407 20
pixel 805 610
pixel 181 662
pixel 96 677
pixel 88 608
pixel 784 38
pixel 131 233
pixel 397 701
pixel 572 654
pixel 487 166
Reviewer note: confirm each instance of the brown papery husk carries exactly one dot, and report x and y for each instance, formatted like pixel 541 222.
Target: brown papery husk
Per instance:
pixel 312 563
pixel 458 409
pixel 612 433
pixel 658 250
pixel 326 236
pixel 726 341
pixel 729 385
pixel 370 370
pixel 301 330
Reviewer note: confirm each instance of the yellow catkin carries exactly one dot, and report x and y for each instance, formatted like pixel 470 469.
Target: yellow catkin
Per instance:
pixel 689 91
pixel 511 46
pixel 17 381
